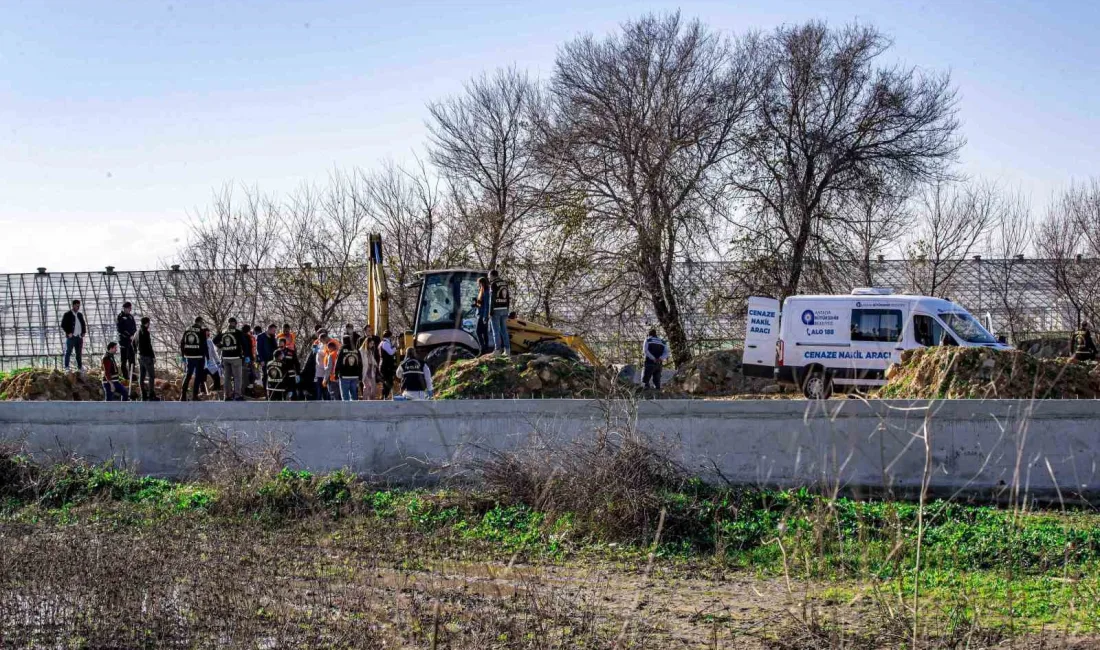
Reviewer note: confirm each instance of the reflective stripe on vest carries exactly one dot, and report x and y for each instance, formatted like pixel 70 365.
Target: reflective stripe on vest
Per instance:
pixel 412 375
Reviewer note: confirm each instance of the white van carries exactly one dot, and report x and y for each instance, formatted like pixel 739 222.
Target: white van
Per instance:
pixel 822 343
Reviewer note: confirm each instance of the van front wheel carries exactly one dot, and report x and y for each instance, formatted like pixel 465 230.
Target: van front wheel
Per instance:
pixel 817 385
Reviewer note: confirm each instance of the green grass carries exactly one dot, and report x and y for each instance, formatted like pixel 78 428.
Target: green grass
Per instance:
pixel 1024 569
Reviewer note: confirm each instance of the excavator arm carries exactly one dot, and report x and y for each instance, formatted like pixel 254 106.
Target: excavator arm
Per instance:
pixel 378 292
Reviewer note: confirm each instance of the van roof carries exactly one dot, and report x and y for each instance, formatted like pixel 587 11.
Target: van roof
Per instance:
pixel 930 303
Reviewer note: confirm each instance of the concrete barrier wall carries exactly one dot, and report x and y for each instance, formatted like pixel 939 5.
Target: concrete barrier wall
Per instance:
pixel 1047 447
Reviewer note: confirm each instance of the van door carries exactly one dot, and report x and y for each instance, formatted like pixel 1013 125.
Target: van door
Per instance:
pixel 877 341
pixel 761 334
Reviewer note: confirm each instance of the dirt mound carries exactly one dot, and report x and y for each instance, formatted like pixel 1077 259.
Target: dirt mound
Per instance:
pixel 41 385
pixel 981 373
pixel 520 376
pixel 35 385
pixel 717 373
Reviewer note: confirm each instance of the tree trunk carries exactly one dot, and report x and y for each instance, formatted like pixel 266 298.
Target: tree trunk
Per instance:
pixel 668 312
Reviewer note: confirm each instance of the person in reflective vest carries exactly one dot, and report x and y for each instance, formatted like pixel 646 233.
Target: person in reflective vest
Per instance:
pixel 194 350
pixel 350 369
pixel 112 386
pixel 500 300
pixel 231 342
pixel 655 351
pixel 274 378
pixel 290 338
pixel 332 378
pixel 387 363
pixel 1084 348
pixel 415 376
pixel 291 372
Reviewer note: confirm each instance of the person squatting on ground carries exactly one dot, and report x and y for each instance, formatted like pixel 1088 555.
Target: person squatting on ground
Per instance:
pixel 656 354
pixel 232 345
pixel 415 376
pixel 387 366
pixel 194 350
pixel 350 369
pixel 274 378
pixel 147 377
pixel 501 301
pixel 1084 348
pixel 75 328
pixel 213 363
pixel 291 371
pixel 370 368
pixel 127 329
pixel 112 385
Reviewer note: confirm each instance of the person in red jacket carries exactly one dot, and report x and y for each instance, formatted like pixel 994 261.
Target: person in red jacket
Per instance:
pixel 112 383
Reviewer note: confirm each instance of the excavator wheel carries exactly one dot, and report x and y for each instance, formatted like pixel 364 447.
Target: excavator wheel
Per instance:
pixel 444 356
pixel 556 349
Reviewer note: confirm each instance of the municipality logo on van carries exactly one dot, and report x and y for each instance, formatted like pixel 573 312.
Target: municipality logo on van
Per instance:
pixel 808 317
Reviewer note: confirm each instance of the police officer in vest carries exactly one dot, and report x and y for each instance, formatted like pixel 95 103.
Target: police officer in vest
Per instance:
pixel 194 350
pixel 275 378
pixel 415 376
pixel 656 353
pixel 232 344
pixel 1084 349
pixel 290 371
pixel 500 301
pixel 349 367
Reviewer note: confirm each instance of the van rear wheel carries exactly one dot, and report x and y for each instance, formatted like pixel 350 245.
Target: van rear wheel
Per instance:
pixel 817 385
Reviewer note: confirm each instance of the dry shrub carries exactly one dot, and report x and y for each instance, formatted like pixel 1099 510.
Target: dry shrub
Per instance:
pixel 613 483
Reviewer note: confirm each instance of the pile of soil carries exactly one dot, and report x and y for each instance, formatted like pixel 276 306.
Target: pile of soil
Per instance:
pixel 982 373
pixel 521 376
pixel 718 373
pixel 41 385
pixel 37 385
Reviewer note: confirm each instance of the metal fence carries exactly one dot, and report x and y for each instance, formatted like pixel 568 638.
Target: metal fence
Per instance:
pixel 1017 293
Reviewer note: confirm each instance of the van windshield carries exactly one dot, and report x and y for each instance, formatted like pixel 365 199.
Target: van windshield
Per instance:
pixel 967 328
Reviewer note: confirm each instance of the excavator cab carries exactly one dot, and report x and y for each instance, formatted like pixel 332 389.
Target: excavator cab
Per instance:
pixel 445 325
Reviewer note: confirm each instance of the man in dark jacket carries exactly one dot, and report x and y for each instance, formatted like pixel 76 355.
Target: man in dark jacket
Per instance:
pixel 147 365
pixel 655 352
pixel 195 351
pixel 232 343
pixel 266 344
pixel 127 329
pixel 75 328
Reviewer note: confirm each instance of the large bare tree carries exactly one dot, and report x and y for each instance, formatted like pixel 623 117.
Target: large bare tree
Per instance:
pixel 644 124
pixel 1010 240
pixel 481 141
pixel 950 223
pixel 833 121
pixel 1067 242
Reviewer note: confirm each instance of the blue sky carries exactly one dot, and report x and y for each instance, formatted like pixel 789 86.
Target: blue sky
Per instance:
pixel 118 119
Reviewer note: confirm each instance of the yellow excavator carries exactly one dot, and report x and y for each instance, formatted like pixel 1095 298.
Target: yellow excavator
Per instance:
pixel 445 323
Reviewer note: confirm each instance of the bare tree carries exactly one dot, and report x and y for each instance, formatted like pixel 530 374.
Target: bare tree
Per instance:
pixel 1010 239
pixel 871 223
pixel 831 123
pixel 951 221
pixel 481 141
pixel 326 253
pixel 411 212
pixel 644 123
pixel 1069 254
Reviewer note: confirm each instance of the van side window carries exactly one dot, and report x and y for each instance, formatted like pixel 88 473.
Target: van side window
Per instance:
pixel 876 325
pixel 927 332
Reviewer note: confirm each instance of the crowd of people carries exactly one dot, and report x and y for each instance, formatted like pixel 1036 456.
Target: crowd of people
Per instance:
pixel 344 367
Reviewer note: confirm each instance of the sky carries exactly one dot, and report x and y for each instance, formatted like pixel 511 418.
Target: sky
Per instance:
pixel 118 120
